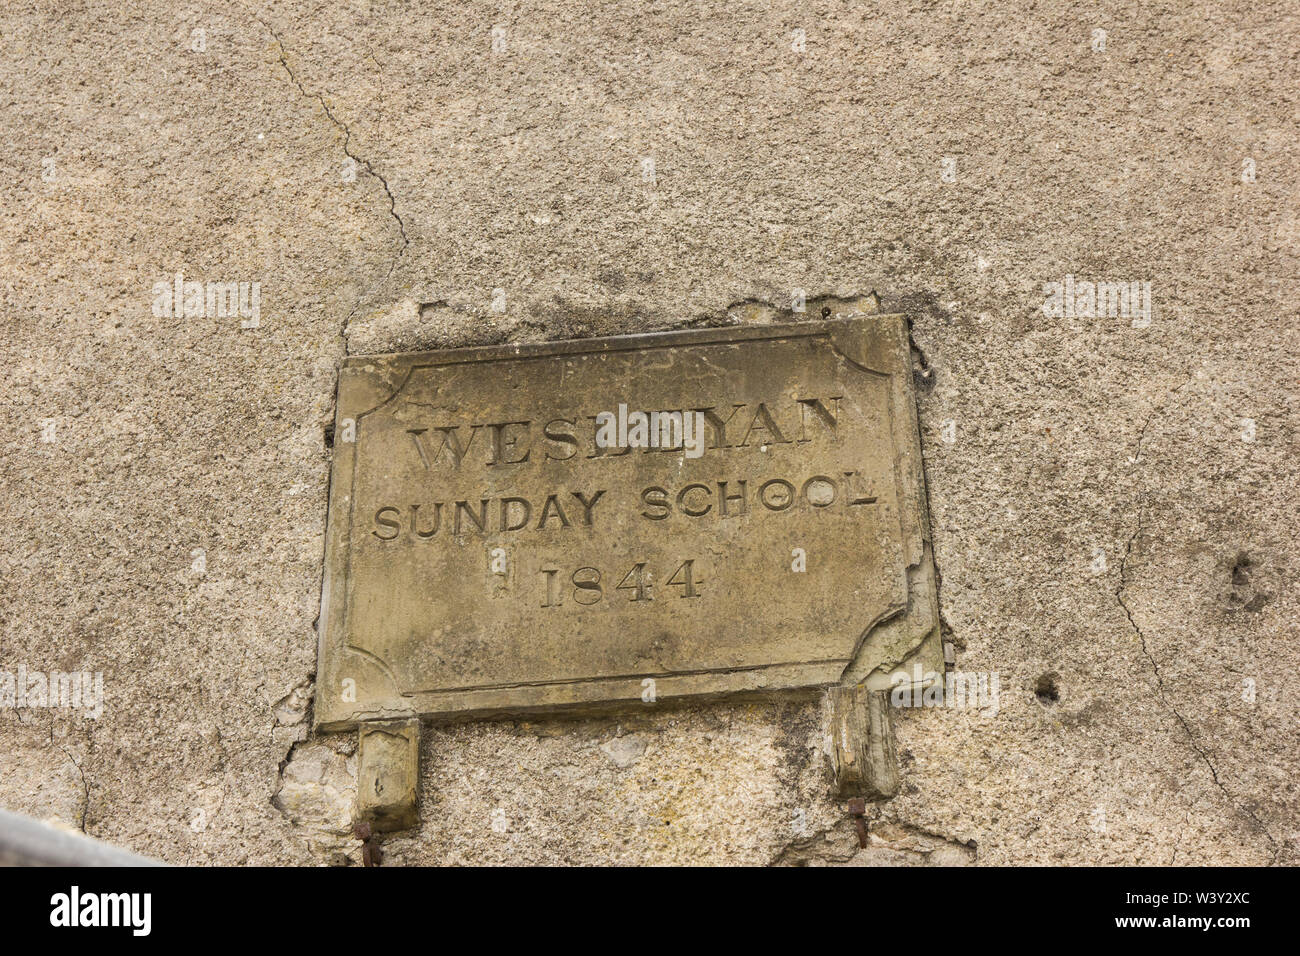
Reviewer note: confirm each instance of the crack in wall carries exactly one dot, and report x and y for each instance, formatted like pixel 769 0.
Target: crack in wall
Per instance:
pixel 890 843
pixel 368 166
pixel 814 847
pixel 81 773
pixel 356 158
pixel 85 788
pixel 1155 666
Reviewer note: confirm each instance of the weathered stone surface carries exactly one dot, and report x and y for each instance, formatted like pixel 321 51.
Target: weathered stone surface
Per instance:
pixel 624 751
pixel 863 755
pixel 507 536
pixel 317 793
pixel 317 788
pixel 388 773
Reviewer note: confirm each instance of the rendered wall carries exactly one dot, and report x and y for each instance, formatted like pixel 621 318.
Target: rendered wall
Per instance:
pixel 1114 506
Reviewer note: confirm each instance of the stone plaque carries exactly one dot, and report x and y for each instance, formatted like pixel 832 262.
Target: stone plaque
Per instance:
pixel 515 529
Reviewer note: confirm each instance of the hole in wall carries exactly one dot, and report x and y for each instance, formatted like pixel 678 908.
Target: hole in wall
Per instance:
pixel 1047 689
pixel 1241 570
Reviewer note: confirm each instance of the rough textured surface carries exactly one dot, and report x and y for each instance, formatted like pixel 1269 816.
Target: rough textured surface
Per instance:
pixel 1098 515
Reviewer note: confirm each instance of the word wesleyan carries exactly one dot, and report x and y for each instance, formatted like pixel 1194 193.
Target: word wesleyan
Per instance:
pixel 742 425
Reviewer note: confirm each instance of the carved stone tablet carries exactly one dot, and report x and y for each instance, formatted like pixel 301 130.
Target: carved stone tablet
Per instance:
pixel 513 529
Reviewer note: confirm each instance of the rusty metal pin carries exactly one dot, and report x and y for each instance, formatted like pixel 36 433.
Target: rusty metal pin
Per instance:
pixel 858 810
pixel 370 854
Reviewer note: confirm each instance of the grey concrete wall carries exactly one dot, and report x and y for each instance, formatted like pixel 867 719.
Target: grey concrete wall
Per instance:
pixel 1114 506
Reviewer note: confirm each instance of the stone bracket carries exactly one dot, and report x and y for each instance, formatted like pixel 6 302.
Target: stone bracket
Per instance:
pixel 388 773
pixel 863 756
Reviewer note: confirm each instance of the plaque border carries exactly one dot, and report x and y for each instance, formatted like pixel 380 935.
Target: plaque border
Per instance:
pixel 912 627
